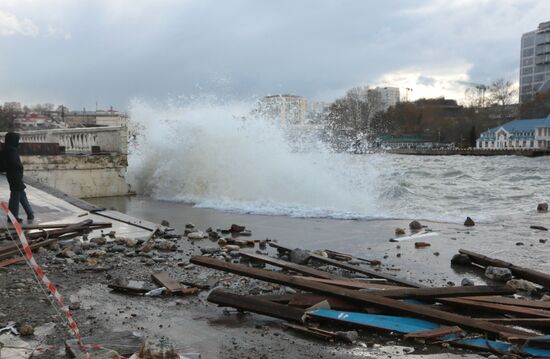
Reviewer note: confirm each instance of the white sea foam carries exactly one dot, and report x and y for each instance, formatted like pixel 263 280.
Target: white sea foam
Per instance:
pixel 216 155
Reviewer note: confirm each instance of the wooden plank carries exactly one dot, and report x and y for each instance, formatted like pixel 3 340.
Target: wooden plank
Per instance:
pixel 321 334
pixel 289 266
pixel 307 300
pixel 366 299
pixel 164 280
pixel 523 322
pixel 537 304
pixel 277 298
pixel 520 272
pixel 352 284
pixel 434 333
pixel 496 308
pixel 444 292
pixel 256 305
pixel 7 262
pixel 350 267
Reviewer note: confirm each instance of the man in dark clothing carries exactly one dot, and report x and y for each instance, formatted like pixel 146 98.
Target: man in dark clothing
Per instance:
pixel 14 174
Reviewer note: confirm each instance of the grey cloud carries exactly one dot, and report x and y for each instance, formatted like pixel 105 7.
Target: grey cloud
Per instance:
pixel 121 49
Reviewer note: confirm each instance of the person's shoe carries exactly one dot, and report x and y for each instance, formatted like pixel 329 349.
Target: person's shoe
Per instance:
pixel 20 220
pixel 30 218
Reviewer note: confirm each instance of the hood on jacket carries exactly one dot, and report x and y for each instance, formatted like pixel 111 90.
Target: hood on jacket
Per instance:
pixel 12 139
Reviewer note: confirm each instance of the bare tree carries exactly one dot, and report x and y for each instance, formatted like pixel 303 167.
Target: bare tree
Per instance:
pixel 475 96
pixel 502 93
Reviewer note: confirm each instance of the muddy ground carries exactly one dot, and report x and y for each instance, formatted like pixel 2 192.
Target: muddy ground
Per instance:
pixel 195 326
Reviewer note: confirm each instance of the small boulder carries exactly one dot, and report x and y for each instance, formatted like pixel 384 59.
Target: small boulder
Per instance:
pixel 466 282
pixel 498 274
pixel 461 259
pixel 196 235
pixel 399 231
pixel 235 228
pixel 469 222
pixel 26 330
pixel 299 256
pixel 542 207
pixel 415 226
pixel 165 223
pixel 348 337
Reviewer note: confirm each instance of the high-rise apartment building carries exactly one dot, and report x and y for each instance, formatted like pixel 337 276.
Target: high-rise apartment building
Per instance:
pixel 535 61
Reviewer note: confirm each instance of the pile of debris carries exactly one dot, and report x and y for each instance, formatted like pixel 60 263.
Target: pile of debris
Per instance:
pixel 487 318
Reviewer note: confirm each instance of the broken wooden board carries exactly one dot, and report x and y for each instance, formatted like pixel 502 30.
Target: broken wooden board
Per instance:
pixel 434 333
pixel 413 325
pixel 350 267
pixel 290 266
pixel 164 280
pixel 496 308
pixel 314 332
pixel 352 284
pixel 537 304
pixel 256 305
pixel 366 299
pixel 134 287
pixel 7 262
pixel 522 322
pixel 308 300
pixel 520 272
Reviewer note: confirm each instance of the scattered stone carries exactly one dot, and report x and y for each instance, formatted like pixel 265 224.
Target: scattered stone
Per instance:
pixel 451 283
pixel 461 259
pixel 375 262
pixel 67 253
pixel 421 244
pixel 235 228
pixel 209 250
pixel 540 228
pixel 469 222
pixel 348 337
pixel 522 285
pixel 222 242
pixel 415 226
pixel 466 282
pixel 166 245
pixel 196 235
pixel 542 240
pixel 498 274
pixel 98 240
pixel 131 243
pixel 519 243
pixel 299 256
pixel 97 253
pixel 542 207
pixel 26 330
pixel 190 226
pixel 436 254
pixel 289 290
pixel 165 223
pixel 213 235
pixel 232 247
pixel 399 231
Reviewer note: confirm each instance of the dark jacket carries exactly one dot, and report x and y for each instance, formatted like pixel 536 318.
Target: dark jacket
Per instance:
pixel 12 161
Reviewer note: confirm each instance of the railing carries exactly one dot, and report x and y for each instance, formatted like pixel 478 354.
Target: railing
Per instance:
pixel 82 140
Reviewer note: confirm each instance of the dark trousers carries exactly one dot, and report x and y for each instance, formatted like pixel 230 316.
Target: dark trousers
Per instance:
pixel 17 197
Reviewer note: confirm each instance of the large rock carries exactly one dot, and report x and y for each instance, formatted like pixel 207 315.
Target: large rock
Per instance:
pixel 542 207
pixel 469 222
pixel 522 285
pixel 415 226
pixel 467 282
pixel 196 235
pixel 498 274
pixel 461 259
pixel 299 256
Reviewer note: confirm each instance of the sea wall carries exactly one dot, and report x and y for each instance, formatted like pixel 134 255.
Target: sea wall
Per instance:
pixel 82 176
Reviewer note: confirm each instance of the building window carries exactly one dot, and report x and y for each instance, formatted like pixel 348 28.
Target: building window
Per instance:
pixel 527 70
pixel 539 78
pixel 527 62
pixel 528 52
pixel 531 143
pixel 540 68
pixel 528 41
pixel 527 79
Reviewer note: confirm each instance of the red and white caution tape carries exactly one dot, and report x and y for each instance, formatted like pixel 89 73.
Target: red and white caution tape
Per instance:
pixel 38 270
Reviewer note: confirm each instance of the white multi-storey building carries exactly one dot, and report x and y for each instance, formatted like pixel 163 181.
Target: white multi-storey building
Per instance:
pixel 517 134
pixel 534 61
pixel 287 109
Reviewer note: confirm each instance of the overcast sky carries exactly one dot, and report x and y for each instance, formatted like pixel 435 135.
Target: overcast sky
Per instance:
pixel 79 52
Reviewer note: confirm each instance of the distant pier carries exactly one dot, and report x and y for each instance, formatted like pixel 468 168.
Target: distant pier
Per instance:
pixel 471 152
